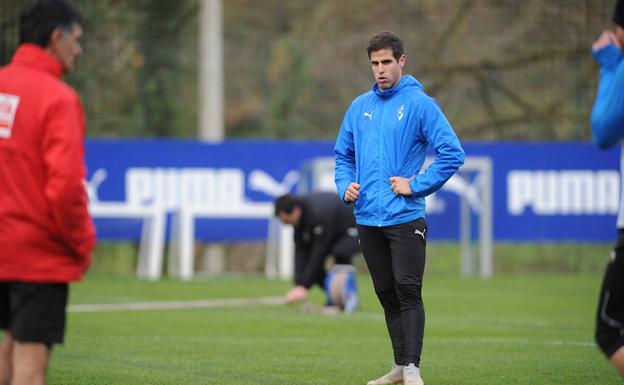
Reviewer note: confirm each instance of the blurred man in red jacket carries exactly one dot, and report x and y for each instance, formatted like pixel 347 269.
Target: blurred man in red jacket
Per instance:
pixel 46 233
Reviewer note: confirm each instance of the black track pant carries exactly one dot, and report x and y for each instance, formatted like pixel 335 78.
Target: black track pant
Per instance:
pixel 395 256
pixel 610 312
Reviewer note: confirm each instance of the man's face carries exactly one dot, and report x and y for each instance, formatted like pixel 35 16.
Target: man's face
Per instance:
pixel 65 46
pixel 292 218
pixel 386 69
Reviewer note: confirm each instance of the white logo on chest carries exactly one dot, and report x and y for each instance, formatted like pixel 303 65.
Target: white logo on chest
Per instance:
pixel 400 112
pixel 369 115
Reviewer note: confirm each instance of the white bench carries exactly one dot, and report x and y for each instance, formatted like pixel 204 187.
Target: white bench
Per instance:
pixel 182 235
pixel 151 247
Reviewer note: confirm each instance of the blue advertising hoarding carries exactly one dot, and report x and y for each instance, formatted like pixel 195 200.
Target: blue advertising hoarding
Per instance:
pixel 542 191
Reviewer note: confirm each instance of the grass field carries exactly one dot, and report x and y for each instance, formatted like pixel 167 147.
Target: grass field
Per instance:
pixel 531 324
pixel 512 329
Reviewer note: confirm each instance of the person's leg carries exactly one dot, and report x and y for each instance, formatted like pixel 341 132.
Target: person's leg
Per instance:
pixel 377 256
pixel 7 342
pixel 610 312
pixel 6 348
pixel 408 245
pixel 30 363
pixel 37 322
pixel 617 359
pixel 344 248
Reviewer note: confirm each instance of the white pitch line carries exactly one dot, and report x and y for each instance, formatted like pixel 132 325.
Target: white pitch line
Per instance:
pixel 518 341
pixel 175 305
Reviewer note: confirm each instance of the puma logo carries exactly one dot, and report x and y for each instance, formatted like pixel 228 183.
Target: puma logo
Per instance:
pixel 369 115
pixel 421 233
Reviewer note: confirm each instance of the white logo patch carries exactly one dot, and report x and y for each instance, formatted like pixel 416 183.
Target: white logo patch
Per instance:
pixel 369 115
pixel 421 233
pixel 400 112
pixel 8 108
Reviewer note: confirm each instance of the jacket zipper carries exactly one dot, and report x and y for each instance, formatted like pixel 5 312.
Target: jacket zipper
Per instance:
pixel 379 154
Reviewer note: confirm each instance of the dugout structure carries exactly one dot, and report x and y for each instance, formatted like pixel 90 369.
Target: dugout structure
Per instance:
pixel 472 184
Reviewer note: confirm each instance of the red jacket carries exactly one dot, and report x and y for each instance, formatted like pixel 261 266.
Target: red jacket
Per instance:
pixel 46 233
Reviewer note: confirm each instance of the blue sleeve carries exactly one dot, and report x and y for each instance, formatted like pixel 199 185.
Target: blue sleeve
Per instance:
pixel 449 153
pixel 345 156
pixel 607 118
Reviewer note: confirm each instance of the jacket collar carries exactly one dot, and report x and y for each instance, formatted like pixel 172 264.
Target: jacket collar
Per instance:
pixel 390 91
pixel 406 81
pixel 35 57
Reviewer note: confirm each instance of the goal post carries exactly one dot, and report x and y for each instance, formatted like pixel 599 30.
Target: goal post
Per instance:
pixel 476 200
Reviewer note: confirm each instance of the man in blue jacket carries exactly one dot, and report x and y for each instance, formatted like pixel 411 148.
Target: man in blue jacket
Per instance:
pixel 380 150
pixel 608 129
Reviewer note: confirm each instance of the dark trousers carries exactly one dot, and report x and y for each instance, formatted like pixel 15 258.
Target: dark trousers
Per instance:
pixel 342 250
pixel 610 312
pixel 395 256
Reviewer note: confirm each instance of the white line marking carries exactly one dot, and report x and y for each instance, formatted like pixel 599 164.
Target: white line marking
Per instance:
pixel 518 341
pixel 175 305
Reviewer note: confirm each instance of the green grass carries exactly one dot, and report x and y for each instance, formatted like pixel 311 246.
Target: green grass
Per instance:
pixel 514 329
pixel 531 324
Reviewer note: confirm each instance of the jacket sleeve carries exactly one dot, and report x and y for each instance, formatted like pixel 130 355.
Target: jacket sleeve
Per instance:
pixel 63 154
pixel 344 151
pixel 319 249
pixel 449 153
pixel 607 118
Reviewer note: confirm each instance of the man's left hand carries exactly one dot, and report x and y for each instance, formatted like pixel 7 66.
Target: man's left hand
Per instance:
pixel 296 294
pixel 400 186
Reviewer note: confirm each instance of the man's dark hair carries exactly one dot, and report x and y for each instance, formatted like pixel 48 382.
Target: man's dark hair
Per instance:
pixel 286 203
pixel 618 13
pixel 384 40
pixel 41 17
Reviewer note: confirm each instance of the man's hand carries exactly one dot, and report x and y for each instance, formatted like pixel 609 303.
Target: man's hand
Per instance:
pixel 296 294
pixel 606 39
pixel 400 186
pixel 352 193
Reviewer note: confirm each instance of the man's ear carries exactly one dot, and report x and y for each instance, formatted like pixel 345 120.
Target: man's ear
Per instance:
pixel 55 36
pixel 402 60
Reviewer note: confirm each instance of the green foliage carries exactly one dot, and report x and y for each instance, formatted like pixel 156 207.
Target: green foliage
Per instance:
pixel 137 76
pixel 442 258
pixel 119 258
pixel 521 258
pixel 499 69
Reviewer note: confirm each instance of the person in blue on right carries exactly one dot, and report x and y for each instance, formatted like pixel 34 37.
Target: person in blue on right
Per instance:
pixel 607 122
pixel 380 150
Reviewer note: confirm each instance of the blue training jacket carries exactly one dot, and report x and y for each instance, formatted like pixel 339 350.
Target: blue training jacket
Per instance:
pixel 386 133
pixel 607 117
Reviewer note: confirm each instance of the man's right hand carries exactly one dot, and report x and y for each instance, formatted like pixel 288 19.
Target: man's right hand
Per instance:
pixel 606 38
pixel 352 193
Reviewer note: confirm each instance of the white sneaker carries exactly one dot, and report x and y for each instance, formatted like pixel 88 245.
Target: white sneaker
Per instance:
pixel 411 375
pixel 394 376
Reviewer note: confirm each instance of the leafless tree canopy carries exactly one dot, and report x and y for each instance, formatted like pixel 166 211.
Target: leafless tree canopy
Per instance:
pixel 500 69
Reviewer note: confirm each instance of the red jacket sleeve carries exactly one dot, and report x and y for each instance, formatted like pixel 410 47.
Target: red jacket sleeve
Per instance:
pixel 63 155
